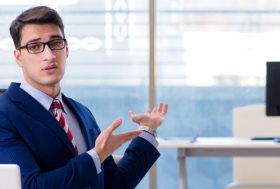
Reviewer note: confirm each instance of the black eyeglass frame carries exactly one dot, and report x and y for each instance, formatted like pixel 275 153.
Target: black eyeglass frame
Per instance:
pixel 44 45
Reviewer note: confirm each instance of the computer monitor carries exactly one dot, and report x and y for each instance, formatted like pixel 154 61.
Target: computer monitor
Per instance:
pixel 2 90
pixel 273 89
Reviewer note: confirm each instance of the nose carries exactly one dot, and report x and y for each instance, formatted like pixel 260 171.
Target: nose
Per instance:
pixel 48 54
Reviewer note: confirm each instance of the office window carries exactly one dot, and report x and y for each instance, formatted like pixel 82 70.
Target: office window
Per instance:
pixel 211 57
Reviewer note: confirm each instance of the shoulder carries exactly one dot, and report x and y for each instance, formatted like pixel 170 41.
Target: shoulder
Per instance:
pixel 74 104
pixel 79 108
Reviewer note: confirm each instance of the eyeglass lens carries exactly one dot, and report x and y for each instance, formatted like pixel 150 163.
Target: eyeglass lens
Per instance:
pixel 38 47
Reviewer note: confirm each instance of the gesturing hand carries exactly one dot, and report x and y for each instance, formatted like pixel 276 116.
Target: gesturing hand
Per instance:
pixel 152 118
pixel 107 142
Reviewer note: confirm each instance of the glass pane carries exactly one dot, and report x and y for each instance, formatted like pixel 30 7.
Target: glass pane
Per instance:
pixel 211 57
pixel 107 68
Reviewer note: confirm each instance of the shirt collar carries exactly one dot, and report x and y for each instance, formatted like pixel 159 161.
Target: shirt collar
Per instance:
pixel 44 99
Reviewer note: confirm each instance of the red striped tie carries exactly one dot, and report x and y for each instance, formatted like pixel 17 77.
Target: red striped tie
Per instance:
pixel 60 118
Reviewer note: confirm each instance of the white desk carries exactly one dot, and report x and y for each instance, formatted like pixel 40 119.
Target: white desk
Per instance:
pixel 218 147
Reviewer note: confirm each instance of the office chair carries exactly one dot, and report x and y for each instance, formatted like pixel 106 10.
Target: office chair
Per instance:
pixel 255 173
pixel 10 176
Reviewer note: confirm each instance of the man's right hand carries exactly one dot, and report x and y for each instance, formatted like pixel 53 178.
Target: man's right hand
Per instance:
pixel 107 142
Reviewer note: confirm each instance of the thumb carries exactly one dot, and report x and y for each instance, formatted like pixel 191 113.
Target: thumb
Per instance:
pixel 131 113
pixel 134 117
pixel 114 125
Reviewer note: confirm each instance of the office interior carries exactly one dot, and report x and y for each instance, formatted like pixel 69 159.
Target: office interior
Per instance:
pixel 207 59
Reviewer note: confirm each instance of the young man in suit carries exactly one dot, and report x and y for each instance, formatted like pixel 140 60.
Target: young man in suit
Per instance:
pixel 54 139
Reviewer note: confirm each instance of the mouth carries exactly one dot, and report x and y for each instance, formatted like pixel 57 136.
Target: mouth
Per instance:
pixel 49 67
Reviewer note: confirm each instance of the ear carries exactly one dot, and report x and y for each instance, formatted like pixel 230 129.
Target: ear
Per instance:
pixel 67 51
pixel 17 56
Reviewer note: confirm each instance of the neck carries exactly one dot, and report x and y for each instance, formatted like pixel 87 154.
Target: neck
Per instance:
pixel 51 90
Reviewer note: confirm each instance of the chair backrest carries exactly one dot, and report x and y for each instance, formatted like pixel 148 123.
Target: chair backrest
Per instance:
pixel 251 121
pixel 10 176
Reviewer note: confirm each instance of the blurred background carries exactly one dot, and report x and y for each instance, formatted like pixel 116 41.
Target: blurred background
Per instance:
pixel 210 56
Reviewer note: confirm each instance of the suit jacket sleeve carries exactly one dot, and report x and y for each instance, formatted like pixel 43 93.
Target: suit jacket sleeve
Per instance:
pixel 14 150
pixel 137 160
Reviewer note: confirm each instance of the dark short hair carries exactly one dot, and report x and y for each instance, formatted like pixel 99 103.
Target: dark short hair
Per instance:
pixel 35 15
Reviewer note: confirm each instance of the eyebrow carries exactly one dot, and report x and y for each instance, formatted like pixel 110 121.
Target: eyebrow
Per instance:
pixel 38 39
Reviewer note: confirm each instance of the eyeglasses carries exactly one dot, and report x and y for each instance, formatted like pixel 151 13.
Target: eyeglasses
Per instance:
pixel 38 47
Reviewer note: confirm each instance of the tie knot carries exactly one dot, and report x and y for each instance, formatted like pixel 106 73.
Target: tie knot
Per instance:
pixel 56 104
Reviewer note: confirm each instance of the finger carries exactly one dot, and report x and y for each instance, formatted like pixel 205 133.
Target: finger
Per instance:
pixel 154 110
pixel 131 114
pixel 160 107
pixel 148 110
pixel 114 125
pixel 136 118
pixel 165 108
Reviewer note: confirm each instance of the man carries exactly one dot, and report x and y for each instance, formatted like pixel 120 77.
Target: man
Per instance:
pixel 54 139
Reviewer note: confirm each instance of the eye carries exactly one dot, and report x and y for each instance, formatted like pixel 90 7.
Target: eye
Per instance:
pixel 55 44
pixel 34 47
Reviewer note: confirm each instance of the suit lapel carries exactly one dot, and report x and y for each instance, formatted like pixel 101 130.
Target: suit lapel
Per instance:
pixel 29 105
pixel 88 132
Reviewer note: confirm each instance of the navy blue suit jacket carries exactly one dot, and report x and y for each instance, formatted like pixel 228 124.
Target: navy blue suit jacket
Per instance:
pixel 32 138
